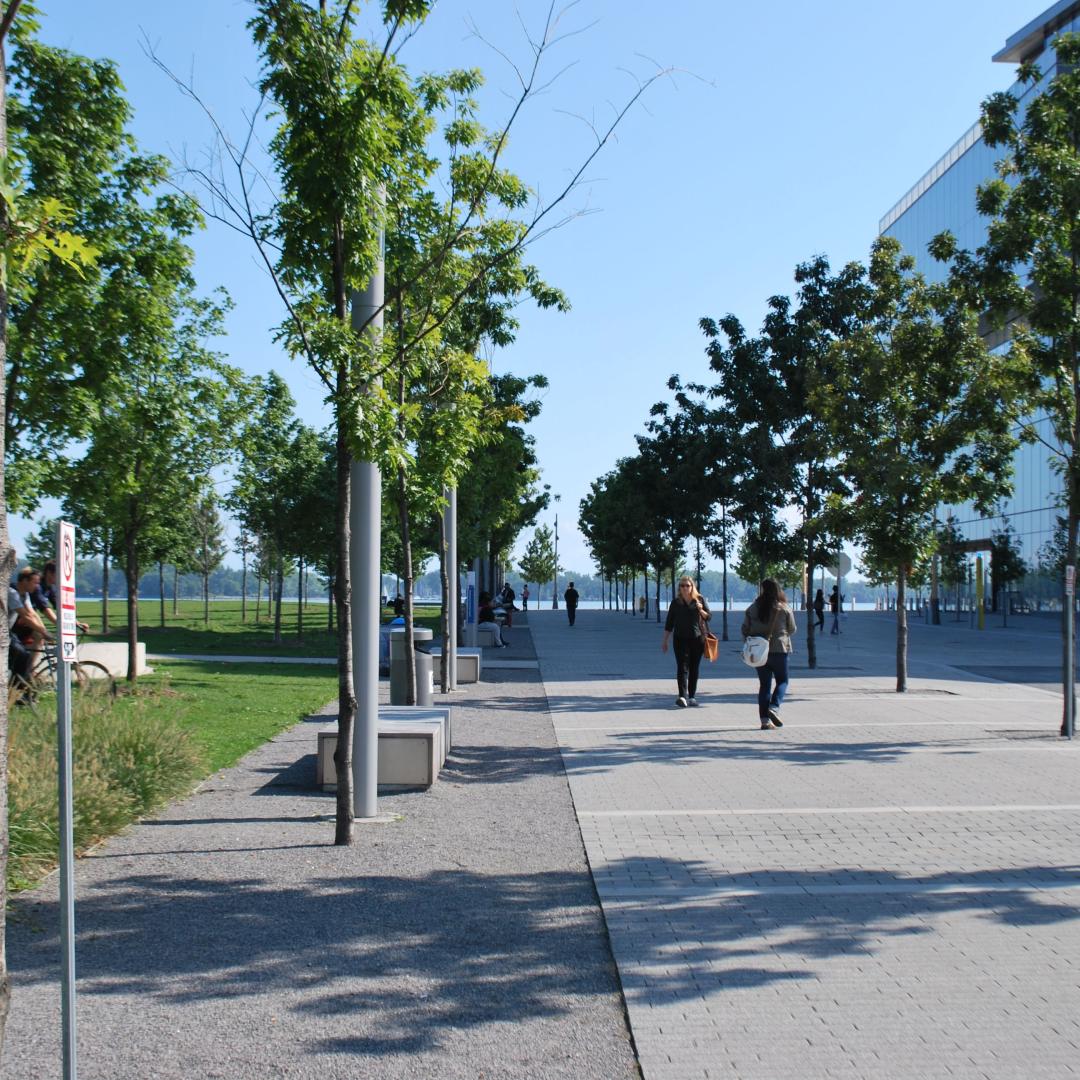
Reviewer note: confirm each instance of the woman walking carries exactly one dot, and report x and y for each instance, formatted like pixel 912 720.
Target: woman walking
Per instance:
pixel 819 609
pixel 770 617
pixel 686 620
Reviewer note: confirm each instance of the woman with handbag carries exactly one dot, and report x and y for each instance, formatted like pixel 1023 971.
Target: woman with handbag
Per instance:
pixel 769 617
pixel 687 619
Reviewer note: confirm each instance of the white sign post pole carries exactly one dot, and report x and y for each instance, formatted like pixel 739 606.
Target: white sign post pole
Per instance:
pixel 65 569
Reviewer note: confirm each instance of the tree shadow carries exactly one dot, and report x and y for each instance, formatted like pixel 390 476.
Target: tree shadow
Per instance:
pixel 402 962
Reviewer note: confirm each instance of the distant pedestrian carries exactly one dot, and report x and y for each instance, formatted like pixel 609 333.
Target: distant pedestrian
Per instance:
pixel 687 620
pixel 836 602
pixel 770 617
pixel 399 605
pixel 571 598
pixel 525 598
pixel 819 609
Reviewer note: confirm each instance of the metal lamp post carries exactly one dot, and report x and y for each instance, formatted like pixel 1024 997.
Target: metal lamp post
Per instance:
pixel 555 579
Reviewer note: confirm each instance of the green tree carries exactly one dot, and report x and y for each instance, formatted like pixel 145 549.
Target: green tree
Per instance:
pixel 32 231
pixel 921 413
pixel 263 487
pixel 209 549
pixel 1028 271
pixel 538 559
pixel 1007 563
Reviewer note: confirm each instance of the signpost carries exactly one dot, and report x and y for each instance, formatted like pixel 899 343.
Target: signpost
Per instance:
pixel 65 566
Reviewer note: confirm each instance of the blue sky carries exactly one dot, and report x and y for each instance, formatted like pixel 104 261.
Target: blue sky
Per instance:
pixel 786 130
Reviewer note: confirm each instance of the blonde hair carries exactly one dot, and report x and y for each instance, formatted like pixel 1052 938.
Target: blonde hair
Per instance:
pixel 694 594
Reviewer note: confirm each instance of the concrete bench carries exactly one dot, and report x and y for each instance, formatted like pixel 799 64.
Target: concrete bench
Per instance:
pixel 443 713
pixel 485 636
pixel 468 663
pixel 114 656
pixel 413 744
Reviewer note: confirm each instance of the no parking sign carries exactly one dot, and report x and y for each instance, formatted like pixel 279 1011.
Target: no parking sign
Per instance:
pixel 65 564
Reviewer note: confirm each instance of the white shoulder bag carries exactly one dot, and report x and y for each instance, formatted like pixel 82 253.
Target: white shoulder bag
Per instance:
pixel 755 650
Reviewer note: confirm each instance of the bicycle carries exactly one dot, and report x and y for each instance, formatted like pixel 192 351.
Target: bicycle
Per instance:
pixel 91 680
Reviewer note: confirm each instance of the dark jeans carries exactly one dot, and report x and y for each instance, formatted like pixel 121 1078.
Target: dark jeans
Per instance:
pixel 19 659
pixel 688 653
pixel 774 668
pixel 571 613
pixel 820 617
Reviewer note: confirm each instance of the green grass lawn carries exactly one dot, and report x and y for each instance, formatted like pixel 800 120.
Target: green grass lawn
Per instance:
pixel 226 632
pixel 232 708
pixel 187 720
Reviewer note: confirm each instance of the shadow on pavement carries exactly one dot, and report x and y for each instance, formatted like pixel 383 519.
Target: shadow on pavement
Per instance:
pixel 399 961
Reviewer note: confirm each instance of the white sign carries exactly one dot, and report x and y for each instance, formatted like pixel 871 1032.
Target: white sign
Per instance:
pixel 844 568
pixel 65 579
pixel 1070 580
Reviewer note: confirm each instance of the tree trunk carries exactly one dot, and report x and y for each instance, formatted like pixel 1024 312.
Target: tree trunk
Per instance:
pixel 258 597
pixel 330 604
pixel 131 576
pixel 300 600
pixel 698 563
pixel 279 586
pixel 406 558
pixel 161 593
pixel 343 829
pixel 175 590
pixel 633 596
pixel 811 615
pixel 444 611
pixel 206 599
pixel 1068 612
pixel 105 552
pixel 7 567
pixel 901 630
pixel 243 587
pixel 658 571
pixel 723 564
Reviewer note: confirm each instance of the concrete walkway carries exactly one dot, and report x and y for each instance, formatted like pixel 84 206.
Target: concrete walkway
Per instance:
pixel 226 936
pixel 889 886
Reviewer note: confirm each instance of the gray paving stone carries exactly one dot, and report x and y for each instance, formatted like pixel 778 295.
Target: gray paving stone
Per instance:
pixel 889 885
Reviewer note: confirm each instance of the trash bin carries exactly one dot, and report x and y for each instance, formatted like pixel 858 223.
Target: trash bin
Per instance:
pixel 424 671
pixel 384 643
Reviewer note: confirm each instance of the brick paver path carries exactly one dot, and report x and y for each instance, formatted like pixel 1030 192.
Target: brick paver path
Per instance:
pixel 889 886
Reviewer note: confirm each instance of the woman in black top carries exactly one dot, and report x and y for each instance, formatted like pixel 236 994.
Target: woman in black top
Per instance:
pixel 819 609
pixel 685 620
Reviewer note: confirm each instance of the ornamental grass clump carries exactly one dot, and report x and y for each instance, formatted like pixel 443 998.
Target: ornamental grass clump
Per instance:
pixel 128 758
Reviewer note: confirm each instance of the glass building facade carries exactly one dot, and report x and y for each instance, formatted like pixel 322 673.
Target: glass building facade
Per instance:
pixel 944 198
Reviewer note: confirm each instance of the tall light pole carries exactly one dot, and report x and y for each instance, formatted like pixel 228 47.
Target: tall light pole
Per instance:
pixel 555 579
pixel 365 521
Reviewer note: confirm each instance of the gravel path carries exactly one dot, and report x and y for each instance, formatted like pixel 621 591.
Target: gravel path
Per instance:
pixel 227 937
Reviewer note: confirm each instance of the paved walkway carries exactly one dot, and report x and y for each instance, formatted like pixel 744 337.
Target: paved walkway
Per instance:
pixel 226 936
pixel 889 886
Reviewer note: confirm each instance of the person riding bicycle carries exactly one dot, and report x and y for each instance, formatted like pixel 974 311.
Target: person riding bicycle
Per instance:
pixel 19 658
pixel 46 598
pixel 28 625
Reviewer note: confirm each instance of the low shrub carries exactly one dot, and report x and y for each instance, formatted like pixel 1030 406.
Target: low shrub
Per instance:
pixel 128 758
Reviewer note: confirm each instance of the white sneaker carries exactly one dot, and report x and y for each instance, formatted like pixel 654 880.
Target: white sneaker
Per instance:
pixel 681 702
pixel 692 702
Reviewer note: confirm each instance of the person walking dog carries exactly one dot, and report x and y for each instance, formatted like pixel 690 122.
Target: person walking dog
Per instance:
pixel 687 620
pixel 770 617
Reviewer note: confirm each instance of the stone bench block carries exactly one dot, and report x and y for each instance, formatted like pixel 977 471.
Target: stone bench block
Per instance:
pixel 114 655
pixel 468 663
pixel 413 744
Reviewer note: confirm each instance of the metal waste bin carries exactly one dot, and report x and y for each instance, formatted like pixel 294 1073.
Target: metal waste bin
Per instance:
pixel 425 686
